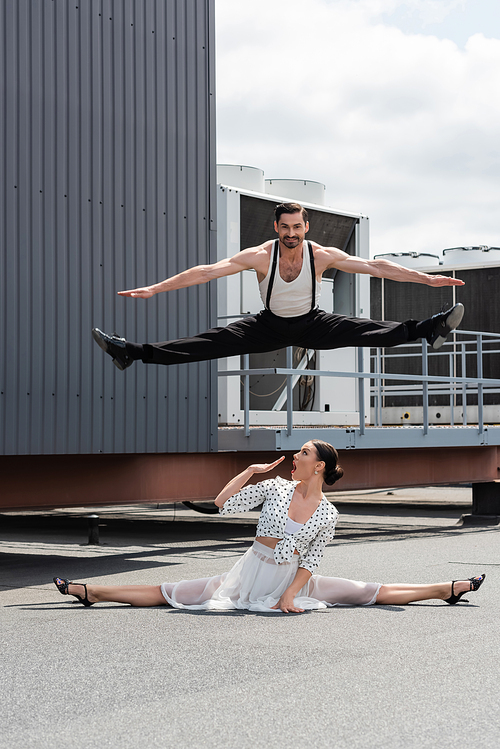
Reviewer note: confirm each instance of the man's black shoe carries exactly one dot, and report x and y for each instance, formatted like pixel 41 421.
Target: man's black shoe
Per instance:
pixel 443 324
pixel 114 346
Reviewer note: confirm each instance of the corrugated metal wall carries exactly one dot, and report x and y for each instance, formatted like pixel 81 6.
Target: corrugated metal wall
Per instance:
pixel 107 151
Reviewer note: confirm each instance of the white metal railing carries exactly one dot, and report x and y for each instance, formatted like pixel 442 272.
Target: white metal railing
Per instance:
pixel 475 345
pixel 423 384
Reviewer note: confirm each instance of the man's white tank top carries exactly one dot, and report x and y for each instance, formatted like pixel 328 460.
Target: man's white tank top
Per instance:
pixel 290 298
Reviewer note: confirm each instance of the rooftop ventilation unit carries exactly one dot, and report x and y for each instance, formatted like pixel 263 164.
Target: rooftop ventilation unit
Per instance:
pixel 297 190
pixel 246 219
pixel 246 177
pixel 480 255
pixel 411 259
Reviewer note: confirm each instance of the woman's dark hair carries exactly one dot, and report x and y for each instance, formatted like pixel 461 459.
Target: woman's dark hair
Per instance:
pixel 330 457
pixel 290 208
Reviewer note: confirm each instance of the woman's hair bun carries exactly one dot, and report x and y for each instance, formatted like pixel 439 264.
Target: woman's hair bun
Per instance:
pixel 328 454
pixel 333 475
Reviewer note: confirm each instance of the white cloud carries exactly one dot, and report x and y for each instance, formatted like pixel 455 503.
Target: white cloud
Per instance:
pixel 404 127
pixel 426 11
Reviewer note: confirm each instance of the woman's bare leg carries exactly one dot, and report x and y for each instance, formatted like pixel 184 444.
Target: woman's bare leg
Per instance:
pixel 402 593
pixel 135 595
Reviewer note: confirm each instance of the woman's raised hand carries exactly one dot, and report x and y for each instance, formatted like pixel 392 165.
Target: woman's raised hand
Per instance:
pixel 234 486
pixel 265 467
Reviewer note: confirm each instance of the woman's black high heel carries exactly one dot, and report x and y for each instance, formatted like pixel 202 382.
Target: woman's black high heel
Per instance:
pixel 62 586
pixel 475 584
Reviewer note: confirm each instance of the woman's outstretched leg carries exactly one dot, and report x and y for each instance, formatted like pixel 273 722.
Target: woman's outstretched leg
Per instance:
pixel 135 595
pixel 405 593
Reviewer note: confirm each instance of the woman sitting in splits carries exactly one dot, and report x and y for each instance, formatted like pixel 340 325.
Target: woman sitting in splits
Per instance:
pixel 277 572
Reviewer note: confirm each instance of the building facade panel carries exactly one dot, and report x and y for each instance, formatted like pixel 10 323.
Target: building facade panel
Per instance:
pixel 108 157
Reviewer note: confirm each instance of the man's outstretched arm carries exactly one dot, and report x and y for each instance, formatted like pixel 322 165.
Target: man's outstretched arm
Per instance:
pixel 250 259
pixel 381 268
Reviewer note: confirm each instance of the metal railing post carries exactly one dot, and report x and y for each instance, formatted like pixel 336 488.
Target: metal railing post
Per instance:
pixel 361 391
pixel 379 390
pixel 246 395
pixel 289 392
pixel 479 375
pixel 452 392
pixel 425 386
pixel 464 386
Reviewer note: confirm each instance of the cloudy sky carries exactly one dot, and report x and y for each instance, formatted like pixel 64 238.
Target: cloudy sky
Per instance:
pixel 393 104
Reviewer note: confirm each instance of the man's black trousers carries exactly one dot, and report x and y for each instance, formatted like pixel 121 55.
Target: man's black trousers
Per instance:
pixel 268 332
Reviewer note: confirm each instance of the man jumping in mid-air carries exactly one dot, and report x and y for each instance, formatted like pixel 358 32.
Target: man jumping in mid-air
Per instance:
pixel 289 271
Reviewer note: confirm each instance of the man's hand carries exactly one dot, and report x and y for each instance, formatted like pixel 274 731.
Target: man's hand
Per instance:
pixel 445 281
pixel 145 292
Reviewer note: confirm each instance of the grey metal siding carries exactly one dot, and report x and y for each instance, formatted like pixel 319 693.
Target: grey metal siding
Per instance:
pixel 108 161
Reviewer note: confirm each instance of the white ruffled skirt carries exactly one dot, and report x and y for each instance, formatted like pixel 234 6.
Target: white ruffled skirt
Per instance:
pixel 256 583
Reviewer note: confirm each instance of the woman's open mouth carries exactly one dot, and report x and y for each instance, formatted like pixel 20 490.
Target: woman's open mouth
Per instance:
pixel 293 466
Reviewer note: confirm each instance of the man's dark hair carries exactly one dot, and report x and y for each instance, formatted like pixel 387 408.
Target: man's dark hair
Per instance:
pixel 290 208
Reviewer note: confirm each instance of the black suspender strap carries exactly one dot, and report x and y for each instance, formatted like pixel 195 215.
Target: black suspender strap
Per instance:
pixel 313 276
pixel 273 273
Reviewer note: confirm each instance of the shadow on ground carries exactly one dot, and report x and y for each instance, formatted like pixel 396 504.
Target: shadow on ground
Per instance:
pixel 35 548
